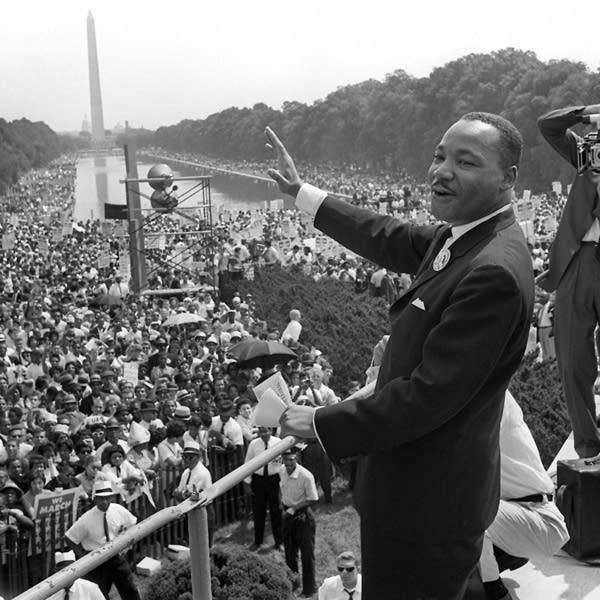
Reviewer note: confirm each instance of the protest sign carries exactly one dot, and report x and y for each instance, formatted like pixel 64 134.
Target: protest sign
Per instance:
pixel 525 211
pixel 8 241
pixel 103 261
pixel 54 513
pixel 130 371
pixel 557 187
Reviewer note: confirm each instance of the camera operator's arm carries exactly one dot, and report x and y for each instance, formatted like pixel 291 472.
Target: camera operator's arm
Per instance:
pixel 554 126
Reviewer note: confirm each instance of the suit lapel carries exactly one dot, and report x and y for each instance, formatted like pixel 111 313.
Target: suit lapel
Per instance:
pixel 464 243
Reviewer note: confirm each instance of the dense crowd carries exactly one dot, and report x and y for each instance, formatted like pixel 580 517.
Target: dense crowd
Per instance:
pixel 98 383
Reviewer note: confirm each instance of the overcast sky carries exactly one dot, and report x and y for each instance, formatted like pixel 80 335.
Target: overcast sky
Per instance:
pixel 161 62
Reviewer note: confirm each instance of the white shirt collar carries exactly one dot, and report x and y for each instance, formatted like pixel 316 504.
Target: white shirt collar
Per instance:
pixel 460 230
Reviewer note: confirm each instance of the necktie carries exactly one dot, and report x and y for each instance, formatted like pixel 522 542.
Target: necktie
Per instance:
pixel 266 467
pixel 106 535
pixel 350 593
pixel 222 427
pixel 67 593
pixel 118 471
pixel 187 481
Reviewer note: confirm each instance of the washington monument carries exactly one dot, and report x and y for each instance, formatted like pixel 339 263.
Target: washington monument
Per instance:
pixel 95 94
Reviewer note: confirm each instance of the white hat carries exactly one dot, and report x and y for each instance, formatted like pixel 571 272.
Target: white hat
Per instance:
pixel 236 334
pixel 212 339
pixel 191 447
pixel 102 489
pixel 62 428
pixel 64 557
pixel 138 435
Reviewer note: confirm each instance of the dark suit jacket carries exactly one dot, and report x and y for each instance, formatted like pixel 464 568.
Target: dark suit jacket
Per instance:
pixel 581 207
pixel 429 469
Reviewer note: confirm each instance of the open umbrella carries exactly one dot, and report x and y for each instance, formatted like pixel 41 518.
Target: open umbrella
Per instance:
pixel 261 353
pixel 183 318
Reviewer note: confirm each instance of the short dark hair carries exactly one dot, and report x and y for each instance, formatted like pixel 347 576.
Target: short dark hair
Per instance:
pixel 511 141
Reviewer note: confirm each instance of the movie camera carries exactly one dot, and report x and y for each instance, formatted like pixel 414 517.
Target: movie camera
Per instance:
pixel 588 148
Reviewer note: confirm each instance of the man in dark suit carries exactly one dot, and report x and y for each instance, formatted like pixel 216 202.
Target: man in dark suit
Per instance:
pixel 428 476
pixel 573 273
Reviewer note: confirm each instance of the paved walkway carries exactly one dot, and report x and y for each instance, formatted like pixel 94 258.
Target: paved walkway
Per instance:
pixel 558 577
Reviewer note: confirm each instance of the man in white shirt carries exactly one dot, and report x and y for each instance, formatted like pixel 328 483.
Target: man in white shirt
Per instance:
pixel 194 479
pixel 226 425
pixel 80 589
pixel 345 586
pixel 528 524
pixel 265 490
pixel 98 526
pixel 293 329
pixel 298 494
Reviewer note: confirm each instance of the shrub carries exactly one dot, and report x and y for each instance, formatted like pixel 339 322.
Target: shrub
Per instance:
pixel 342 324
pixel 236 574
pixel 538 390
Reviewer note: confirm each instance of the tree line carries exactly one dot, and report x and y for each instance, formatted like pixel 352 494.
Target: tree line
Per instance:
pixel 394 124
pixel 25 145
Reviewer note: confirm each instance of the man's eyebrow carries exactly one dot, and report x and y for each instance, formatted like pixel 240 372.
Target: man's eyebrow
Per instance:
pixel 461 151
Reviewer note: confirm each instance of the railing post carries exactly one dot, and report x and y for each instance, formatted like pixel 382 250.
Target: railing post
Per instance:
pixel 199 554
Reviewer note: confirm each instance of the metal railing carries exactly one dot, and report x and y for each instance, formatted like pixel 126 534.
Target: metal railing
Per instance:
pixel 26 556
pixel 198 533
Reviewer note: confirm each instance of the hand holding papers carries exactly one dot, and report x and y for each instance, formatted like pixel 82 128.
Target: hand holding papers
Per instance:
pixel 275 407
pixel 269 409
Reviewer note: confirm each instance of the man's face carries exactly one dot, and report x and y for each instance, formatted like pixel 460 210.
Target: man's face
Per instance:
pixel 466 177
pixel 289 461
pixel 102 502
pixel 348 573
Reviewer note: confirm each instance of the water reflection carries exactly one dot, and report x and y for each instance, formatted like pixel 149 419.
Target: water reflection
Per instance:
pixel 98 183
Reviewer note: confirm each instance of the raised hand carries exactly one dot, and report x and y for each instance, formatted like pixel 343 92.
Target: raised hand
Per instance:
pixel 286 176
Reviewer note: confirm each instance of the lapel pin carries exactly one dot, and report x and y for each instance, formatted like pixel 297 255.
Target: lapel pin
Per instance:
pixel 441 260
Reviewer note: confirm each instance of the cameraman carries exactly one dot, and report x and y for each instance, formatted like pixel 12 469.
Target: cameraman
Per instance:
pixel 574 272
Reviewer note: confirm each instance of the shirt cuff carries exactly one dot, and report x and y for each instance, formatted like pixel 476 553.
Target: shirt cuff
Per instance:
pixel 309 199
pixel 315 428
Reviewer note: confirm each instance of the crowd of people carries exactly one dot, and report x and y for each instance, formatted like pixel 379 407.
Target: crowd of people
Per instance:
pixel 97 385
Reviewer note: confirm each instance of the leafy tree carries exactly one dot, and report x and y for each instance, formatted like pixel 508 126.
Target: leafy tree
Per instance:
pixel 396 123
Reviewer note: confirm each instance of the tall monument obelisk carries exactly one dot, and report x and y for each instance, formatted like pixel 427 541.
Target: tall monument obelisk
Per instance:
pixel 95 94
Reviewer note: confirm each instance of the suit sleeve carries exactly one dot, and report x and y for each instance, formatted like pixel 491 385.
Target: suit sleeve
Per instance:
pixel 458 356
pixel 386 241
pixel 554 126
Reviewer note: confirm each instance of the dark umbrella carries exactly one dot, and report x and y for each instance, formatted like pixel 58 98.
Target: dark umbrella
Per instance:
pixel 261 353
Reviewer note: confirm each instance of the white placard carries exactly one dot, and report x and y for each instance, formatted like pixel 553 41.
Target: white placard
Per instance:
pixel 557 187
pixel 130 371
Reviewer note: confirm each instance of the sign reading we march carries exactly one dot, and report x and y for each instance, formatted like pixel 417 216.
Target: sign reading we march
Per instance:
pixel 54 513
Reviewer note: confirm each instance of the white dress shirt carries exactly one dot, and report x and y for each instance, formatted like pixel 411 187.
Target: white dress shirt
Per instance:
pixel 521 470
pixel 88 530
pixel 257 447
pixel 199 477
pixel 81 589
pixel 297 487
pixel 232 429
pixel 333 589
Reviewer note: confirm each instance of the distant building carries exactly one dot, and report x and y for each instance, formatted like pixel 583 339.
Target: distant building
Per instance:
pixel 86 126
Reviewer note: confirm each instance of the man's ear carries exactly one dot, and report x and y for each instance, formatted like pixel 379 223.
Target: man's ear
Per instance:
pixel 510 177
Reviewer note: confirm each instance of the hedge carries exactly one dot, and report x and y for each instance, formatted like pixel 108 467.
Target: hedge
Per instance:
pixel 345 326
